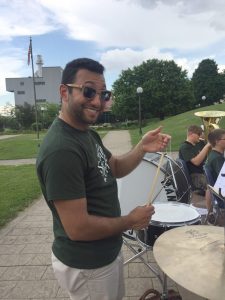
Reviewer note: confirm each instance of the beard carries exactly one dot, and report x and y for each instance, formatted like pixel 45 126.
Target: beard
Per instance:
pixel 84 114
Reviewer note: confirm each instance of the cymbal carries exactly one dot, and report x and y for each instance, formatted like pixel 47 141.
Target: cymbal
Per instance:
pixel 210 114
pixel 194 257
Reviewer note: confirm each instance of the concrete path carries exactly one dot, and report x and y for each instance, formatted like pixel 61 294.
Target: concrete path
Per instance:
pixel 25 246
pixel 8 136
pixel 16 162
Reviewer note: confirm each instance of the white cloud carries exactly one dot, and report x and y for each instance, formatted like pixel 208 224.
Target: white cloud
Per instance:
pixel 124 24
pixel 21 18
pixel 11 65
pixel 118 59
pixel 127 32
pixel 221 68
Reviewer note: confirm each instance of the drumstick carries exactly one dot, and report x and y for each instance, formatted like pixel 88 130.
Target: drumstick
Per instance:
pixel 149 201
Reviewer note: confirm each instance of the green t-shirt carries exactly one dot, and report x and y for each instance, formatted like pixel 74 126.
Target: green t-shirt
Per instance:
pixel 187 151
pixel 73 164
pixel 215 162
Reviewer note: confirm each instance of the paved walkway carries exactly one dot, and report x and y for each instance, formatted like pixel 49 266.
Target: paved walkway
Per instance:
pixel 16 162
pixel 8 136
pixel 25 246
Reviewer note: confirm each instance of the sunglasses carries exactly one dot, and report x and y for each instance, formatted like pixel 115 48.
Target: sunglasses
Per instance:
pixel 90 93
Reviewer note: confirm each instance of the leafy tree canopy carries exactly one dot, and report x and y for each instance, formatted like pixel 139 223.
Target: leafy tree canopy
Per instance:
pixel 208 82
pixel 166 90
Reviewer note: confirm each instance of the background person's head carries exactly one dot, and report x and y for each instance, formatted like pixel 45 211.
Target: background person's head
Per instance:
pixel 194 132
pixel 217 138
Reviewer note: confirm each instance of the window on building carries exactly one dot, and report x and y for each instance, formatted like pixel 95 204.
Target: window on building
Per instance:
pixel 39 83
pixel 20 92
pixel 21 83
pixel 41 100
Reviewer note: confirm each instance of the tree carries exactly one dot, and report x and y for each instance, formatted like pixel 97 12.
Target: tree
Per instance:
pixel 208 82
pixel 124 96
pixel 166 90
pixel 47 113
pixel 25 115
pixel 2 123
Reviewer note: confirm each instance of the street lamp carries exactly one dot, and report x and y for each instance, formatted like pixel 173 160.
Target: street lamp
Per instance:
pixel 42 115
pixel 203 98
pixel 139 92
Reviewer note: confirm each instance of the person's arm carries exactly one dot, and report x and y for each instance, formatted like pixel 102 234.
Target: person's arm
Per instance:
pixel 152 141
pixel 198 159
pixel 81 226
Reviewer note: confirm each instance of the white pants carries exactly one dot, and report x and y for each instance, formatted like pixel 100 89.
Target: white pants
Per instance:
pixel 106 283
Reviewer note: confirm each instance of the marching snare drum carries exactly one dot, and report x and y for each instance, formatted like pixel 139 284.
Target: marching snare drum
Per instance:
pixel 167 216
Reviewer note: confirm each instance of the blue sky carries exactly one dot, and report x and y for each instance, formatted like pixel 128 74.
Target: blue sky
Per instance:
pixel 118 33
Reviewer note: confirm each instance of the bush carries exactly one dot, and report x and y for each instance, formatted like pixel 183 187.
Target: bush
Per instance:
pixel 34 126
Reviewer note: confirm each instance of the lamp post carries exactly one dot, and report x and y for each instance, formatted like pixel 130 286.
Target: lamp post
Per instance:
pixel 139 92
pixel 203 98
pixel 42 115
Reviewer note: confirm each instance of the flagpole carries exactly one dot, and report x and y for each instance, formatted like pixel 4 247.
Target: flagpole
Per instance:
pixel 30 52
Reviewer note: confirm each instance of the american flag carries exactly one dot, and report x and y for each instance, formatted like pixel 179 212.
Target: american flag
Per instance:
pixel 29 53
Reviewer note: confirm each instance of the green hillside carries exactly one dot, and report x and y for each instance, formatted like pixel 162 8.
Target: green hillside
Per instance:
pixel 176 126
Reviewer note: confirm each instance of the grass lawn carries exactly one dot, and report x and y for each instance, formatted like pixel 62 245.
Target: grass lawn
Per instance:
pixel 24 146
pixel 176 126
pixel 19 187
pixel 21 146
pixel 19 184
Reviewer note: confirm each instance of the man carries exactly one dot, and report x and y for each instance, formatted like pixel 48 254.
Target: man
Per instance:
pixel 216 158
pixel 194 153
pixel 78 180
pixel 215 162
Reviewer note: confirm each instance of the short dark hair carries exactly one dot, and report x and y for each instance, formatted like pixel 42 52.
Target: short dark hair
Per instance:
pixel 72 67
pixel 215 135
pixel 195 129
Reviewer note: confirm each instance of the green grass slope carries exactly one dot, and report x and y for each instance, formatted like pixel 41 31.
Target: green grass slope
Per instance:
pixel 177 125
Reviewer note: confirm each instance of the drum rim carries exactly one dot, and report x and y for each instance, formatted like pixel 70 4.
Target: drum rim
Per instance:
pixel 160 223
pixel 174 224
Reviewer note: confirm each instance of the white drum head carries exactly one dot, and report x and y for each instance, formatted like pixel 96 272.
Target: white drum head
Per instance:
pixel 133 189
pixel 174 212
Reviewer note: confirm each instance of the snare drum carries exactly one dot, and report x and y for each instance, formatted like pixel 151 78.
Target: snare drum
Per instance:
pixel 167 216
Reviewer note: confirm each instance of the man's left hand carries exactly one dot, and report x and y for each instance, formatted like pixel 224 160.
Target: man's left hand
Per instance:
pixel 154 140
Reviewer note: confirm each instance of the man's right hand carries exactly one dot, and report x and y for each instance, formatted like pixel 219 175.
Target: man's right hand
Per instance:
pixel 140 216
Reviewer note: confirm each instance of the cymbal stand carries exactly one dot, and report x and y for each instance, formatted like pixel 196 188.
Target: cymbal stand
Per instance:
pixel 138 254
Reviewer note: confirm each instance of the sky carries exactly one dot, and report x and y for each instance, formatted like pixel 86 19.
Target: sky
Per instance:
pixel 120 34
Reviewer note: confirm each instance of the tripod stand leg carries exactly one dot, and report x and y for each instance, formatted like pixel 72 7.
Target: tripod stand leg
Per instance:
pixel 139 256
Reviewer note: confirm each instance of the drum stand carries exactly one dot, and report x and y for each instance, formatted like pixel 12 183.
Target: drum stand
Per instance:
pixel 142 249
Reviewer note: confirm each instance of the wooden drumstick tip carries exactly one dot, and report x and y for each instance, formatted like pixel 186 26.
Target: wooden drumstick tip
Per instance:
pixel 150 196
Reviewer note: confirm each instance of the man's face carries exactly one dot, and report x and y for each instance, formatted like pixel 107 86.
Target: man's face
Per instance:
pixel 221 142
pixel 195 137
pixel 81 110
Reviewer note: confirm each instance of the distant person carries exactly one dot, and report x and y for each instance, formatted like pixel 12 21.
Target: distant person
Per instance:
pixel 78 175
pixel 194 152
pixel 202 142
pixel 215 158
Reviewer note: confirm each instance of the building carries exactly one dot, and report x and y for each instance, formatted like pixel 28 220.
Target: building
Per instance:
pixel 47 80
